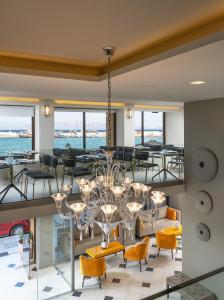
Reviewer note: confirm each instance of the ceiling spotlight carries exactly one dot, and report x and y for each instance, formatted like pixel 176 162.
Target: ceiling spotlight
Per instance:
pixel 197 82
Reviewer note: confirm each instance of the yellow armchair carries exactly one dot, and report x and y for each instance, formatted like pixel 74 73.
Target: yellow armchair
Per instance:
pixel 166 241
pixel 91 267
pixel 138 252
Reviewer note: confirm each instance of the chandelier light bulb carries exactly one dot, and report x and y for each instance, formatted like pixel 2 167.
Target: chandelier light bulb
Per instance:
pixel 58 198
pixel 117 191
pixel 137 188
pixel 108 210
pixel 66 188
pixel 134 207
pixel 127 183
pixel 82 181
pixel 86 190
pixel 145 190
pixel 78 207
pixel 158 193
pixel 158 197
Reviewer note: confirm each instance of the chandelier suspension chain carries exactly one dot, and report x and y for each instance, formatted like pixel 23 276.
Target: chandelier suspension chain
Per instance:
pixel 109 102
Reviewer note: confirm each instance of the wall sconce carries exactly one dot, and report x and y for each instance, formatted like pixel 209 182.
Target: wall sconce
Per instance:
pixel 129 113
pixel 47 110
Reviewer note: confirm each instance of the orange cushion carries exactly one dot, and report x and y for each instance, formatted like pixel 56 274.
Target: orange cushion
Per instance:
pixel 171 214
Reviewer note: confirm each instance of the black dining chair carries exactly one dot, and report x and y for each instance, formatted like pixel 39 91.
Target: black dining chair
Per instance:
pixel 141 162
pixel 177 162
pixel 70 169
pixel 48 172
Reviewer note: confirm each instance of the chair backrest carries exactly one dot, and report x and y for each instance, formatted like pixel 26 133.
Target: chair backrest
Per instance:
pixel 166 241
pixel 54 162
pixel 69 163
pixel 142 248
pixel 128 153
pixel 46 159
pixel 105 148
pixel 57 152
pixel 92 267
pixel 72 153
pixel 141 155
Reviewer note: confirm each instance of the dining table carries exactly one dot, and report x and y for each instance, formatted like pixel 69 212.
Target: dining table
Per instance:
pixel 9 163
pixel 164 154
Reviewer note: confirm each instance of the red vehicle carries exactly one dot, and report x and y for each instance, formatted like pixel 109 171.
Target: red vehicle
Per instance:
pixel 14 228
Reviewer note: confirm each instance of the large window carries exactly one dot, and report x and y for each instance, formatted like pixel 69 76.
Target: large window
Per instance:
pixel 68 129
pixel 95 129
pixel 149 127
pixel 80 129
pixel 153 127
pixel 15 129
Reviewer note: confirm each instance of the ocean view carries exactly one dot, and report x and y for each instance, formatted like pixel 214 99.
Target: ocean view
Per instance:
pixel 11 144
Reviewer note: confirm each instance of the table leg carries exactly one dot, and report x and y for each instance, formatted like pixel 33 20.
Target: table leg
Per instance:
pixel 167 287
pixel 11 185
pixel 164 166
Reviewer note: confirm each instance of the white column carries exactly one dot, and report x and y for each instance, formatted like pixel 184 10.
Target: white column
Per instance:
pixel 44 126
pixel 175 128
pixel 125 135
pixel 45 242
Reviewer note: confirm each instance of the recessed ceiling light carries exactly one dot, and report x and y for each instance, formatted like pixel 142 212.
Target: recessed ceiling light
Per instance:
pixel 197 82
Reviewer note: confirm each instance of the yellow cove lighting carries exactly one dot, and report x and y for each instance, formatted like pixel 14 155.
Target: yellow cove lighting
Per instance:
pixel 89 103
pixel 197 82
pixel 158 107
pixel 19 99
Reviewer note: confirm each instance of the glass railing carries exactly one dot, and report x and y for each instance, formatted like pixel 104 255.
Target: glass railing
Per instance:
pixel 208 286
pixel 39 174
pixel 54 248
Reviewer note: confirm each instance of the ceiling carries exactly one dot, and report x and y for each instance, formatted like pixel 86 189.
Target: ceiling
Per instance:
pixel 164 81
pixel 65 38
pixel 77 30
pixel 161 46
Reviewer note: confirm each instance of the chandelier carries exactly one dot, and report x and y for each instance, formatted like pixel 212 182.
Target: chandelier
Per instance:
pixel 111 198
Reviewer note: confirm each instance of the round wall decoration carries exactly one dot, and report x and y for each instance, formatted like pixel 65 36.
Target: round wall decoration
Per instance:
pixel 203 203
pixel 204 164
pixel 203 232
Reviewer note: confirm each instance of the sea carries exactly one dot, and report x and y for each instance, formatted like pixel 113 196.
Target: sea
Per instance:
pixel 14 144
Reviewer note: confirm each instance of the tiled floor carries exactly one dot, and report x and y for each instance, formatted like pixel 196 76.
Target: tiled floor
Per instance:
pixel 14 282
pixel 129 283
pixel 121 283
pixel 15 279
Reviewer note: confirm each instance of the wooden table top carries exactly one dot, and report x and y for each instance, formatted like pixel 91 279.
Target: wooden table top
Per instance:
pixel 98 251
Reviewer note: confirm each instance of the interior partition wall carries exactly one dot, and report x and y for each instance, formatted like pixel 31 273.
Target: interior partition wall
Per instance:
pixel 55 257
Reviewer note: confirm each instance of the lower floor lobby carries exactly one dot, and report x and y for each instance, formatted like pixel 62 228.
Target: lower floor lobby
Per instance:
pixel 124 281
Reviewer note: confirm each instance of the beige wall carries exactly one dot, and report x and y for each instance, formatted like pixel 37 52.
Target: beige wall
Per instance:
pixel 204 127
pixel 175 127
pixel 125 129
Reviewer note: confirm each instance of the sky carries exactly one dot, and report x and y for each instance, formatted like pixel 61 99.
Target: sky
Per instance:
pixel 10 123
pixel 152 121
pixel 73 120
